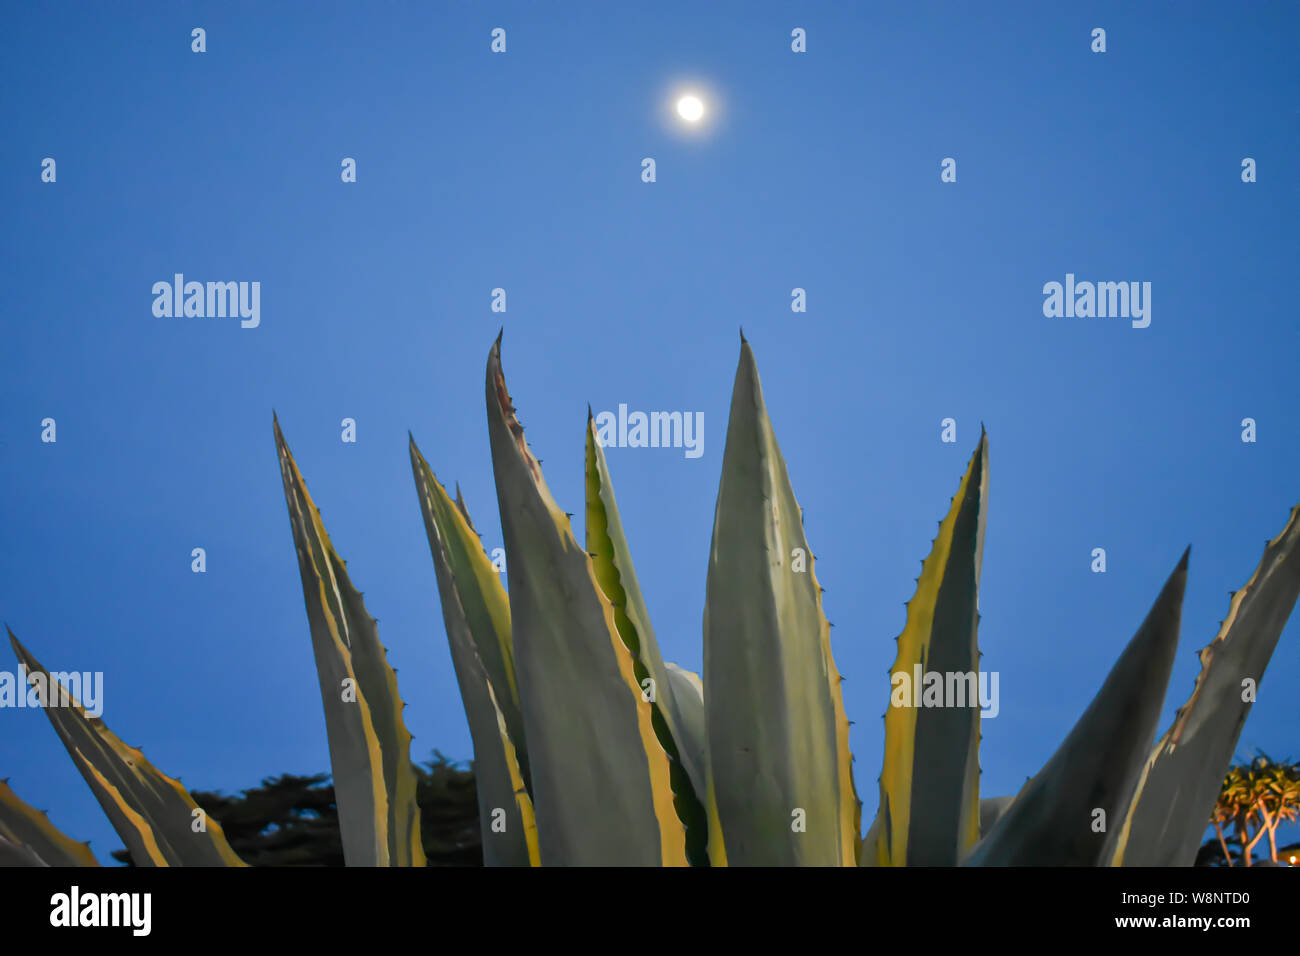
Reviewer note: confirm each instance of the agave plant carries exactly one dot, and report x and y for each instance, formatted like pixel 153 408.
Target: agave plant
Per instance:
pixel 590 748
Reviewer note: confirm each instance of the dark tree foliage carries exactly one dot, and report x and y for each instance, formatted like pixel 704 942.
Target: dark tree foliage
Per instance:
pixel 292 821
pixel 1211 854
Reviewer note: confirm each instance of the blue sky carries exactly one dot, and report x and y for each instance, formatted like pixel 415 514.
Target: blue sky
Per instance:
pixel 523 171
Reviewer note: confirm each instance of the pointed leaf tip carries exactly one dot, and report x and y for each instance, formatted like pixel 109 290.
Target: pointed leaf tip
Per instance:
pixel 150 811
pixel 599 774
pixel 374 788
pixel 1183 774
pixel 769 631
pixel 1100 763
pixel 930 818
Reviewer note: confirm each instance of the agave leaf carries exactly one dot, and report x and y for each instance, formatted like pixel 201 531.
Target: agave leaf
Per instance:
pixel 612 563
pixel 991 810
pixel 868 854
pixel 777 734
pixel 1054 820
pixel 13 853
pixel 1181 779
pixel 688 692
pixel 929 786
pixel 370 747
pixel 601 788
pixel 506 819
pixel 502 797
pixel 688 695
pixel 152 813
pixel 478 600
pixel 30 835
pixel 509 852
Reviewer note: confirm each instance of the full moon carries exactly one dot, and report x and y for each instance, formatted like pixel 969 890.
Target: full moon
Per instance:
pixel 690 108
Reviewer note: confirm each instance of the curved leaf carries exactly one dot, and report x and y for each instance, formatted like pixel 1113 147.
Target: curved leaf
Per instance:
pixel 13 853
pixel 151 812
pixel 370 747
pixel 612 563
pixel 991 810
pixel 1181 779
pixel 688 695
pixel 929 786
pixel 510 853
pixel 31 835
pixel 601 789
pixel 779 763
pixel 481 604
pixel 506 822
pixel 693 744
pixel 1062 817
